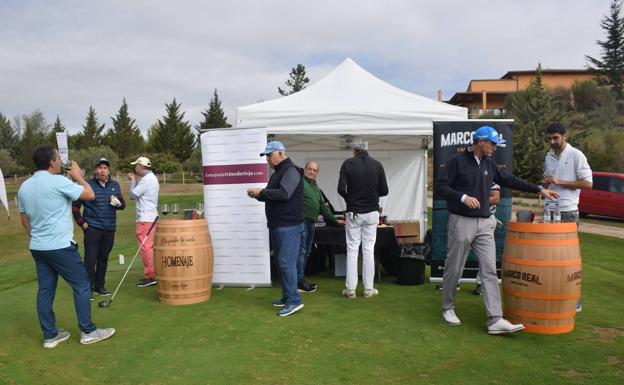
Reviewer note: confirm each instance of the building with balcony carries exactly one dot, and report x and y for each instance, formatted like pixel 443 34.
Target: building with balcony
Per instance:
pixel 488 95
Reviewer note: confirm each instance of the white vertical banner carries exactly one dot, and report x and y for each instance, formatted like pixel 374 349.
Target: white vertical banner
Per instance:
pixel 63 148
pixel 231 164
pixel 3 194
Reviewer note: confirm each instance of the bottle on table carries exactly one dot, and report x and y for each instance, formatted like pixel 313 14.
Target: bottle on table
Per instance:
pixel 557 213
pixel 547 216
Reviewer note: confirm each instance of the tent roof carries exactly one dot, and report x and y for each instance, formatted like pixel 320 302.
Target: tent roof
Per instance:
pixel 349 100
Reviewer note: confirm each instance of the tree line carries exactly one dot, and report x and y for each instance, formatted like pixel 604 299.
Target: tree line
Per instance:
pixel 171 143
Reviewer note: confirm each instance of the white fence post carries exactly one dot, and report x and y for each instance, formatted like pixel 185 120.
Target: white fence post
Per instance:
pixel 182 177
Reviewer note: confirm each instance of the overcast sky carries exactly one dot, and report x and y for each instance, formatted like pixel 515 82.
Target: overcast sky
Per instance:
pixel 64 56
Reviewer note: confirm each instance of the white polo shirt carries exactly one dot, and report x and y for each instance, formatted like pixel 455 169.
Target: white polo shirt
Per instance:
pixel 146 194
pixel 570 165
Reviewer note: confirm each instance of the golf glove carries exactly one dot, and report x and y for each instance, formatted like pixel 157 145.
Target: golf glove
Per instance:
pixel 115 201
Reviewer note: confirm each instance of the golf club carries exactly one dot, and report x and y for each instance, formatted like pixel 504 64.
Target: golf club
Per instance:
pixel 107 303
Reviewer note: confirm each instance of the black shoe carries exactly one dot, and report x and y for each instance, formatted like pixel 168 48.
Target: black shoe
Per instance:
pixel 307 287
pixel 478 290
pixel 145 282
pixel 103 292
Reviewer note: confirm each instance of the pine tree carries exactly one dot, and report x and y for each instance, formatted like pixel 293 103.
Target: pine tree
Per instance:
pixel 298 81
pixel 57 127
pixel 610 67
pixel 533 109
pixel 8 136
pixel 173 134
pixel 91 135
pixel 34 132
pixel 124 137
pixel 214 116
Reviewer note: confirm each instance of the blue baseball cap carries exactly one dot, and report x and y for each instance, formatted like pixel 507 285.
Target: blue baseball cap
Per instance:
pixel 489 133
pixel 274 145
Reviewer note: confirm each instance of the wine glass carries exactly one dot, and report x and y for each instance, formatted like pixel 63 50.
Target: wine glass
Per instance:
pixel 164 209
pixel 175 209
pixel 200 209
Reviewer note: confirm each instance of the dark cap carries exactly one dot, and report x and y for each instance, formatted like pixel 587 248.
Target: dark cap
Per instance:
pixel 102 160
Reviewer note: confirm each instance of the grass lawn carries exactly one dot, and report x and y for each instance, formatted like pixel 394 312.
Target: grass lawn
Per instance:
pixel 236 338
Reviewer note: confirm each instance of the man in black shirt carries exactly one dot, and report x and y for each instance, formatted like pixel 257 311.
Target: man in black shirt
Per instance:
pixel 362 181
pixel 465 183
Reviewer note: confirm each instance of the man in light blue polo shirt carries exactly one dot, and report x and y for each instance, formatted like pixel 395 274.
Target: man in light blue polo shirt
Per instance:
pixel 45 201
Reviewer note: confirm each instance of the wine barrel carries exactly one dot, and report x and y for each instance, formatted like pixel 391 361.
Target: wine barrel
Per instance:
pixel 541 276
pixel 183 260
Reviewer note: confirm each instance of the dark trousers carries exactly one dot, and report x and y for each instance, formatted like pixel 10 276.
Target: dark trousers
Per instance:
pixel 66 263
pixel 97 244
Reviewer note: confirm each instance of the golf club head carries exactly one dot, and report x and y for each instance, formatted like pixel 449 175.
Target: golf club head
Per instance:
pixel 105 303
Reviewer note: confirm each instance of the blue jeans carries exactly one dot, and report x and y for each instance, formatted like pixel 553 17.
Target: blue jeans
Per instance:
pixel 307 240
pixel 286 243
pixel 66 263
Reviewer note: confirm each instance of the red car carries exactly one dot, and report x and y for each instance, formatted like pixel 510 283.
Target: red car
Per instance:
pixel 606 197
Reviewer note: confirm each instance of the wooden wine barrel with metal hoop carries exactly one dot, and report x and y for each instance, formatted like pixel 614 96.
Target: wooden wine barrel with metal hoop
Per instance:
pixel 183 259
pixel 541 276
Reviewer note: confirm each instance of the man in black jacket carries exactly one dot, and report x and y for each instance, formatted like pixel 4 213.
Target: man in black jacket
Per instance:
pixel 283 197
pixel 465 183
pixel 362 181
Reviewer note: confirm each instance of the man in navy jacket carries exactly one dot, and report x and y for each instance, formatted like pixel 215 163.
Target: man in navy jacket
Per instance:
pixel 465 183
pixel 283 199
pixel 98 222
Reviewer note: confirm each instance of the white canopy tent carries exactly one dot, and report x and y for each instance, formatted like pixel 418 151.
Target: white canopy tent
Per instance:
pixel 318 123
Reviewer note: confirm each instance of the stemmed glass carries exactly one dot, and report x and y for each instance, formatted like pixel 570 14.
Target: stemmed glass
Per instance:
pixel 175 209
pixel 164 209
pixel 200 209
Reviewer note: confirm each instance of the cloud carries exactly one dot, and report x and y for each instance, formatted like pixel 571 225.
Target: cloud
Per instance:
pixel 65 56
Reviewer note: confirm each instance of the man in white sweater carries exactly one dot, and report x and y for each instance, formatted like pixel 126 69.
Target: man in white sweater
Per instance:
pixel 144 188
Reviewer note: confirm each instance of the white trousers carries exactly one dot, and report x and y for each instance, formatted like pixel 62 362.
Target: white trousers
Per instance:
pixel 361 228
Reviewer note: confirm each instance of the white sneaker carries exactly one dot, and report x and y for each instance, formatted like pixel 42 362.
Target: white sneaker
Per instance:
pixel 52 342
pixel 96 336
pixel 502 326
pixel 450 318
pixel 370 293
pixel 348 293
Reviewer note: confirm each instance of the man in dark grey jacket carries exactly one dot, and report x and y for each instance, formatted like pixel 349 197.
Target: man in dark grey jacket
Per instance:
pixel 362 181
pixel 466 183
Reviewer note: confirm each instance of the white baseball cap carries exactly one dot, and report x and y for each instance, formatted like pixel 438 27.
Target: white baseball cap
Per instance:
pixel 143 161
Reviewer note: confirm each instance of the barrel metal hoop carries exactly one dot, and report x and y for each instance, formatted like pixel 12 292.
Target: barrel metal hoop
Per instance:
pixel 527 314
pixel 543 242
pixel 545 297
pixel 530 262
pixel 550 228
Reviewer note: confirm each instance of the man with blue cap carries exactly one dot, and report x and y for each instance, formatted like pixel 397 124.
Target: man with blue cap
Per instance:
pixel 283 197
pixel 465 183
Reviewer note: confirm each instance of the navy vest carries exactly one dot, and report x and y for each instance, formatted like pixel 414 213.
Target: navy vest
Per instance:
pixel 99 213
pixel 289 212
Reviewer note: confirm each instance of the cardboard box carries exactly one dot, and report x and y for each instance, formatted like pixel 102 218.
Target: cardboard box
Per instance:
pixel 407 231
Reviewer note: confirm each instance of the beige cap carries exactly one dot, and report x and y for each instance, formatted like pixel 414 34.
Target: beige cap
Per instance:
pixel 143 161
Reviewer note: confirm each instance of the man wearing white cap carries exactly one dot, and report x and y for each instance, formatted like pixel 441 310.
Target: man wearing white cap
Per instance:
pixel 465 183
pixel 145 192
